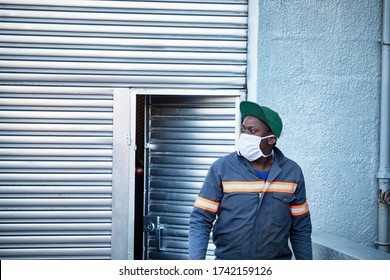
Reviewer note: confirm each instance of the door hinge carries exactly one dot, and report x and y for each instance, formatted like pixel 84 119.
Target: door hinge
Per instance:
pixel 130 142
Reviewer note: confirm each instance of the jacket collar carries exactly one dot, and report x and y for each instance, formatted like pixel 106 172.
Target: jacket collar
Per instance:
pixel 275 168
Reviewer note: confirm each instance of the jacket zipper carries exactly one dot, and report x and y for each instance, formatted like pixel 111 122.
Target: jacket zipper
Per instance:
pixel 260 196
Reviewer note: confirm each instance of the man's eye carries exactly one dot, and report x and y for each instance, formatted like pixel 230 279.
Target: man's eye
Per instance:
pixel 252 131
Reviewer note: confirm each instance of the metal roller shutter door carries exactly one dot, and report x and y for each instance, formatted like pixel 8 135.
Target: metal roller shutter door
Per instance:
pixel 161 44
pixel 55 173
pixel 187 44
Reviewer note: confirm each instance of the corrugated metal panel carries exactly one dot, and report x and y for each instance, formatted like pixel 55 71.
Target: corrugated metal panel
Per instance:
pixel 187 44
pixel 55 173
pixel 186 135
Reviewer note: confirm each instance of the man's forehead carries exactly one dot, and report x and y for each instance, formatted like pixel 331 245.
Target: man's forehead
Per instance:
pixel 251 121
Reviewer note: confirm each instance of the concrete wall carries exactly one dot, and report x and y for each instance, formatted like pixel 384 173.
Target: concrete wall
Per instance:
pixel 320 68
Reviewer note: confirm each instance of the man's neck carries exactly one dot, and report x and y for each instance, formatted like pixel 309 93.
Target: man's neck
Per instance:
pixel 263 163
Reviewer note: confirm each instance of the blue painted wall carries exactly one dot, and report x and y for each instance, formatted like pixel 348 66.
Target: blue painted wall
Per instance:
pixel 320 69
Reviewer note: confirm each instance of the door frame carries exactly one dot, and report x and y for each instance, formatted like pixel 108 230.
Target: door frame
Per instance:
pixel 123 174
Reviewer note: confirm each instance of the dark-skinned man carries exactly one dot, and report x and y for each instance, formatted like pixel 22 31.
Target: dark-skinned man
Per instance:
pixel 254 199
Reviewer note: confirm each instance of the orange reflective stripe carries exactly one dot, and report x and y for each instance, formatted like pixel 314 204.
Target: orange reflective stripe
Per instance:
pixel 298 210
pixel 237 186
pixel 259 186
pixel 206 204
pixel 243 182
pixel 284 187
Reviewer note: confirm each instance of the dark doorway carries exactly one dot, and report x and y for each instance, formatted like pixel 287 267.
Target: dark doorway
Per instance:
pixel 139 178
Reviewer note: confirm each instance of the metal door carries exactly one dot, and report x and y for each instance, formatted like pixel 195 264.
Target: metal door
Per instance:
pixel 64 176
pixel 191 43
pixel 185 135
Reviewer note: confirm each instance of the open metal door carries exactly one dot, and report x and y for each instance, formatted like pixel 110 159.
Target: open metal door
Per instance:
pixel 184 136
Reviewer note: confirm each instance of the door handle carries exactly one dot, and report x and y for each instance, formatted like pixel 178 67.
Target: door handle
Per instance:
pixel 152 224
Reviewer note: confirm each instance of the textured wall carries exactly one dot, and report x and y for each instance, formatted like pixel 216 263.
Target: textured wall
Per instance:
pixel 320 68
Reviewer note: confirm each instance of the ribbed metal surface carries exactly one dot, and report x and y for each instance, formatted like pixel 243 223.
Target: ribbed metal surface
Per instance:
pixel 188 44
pixel 55 173
pixel 186 135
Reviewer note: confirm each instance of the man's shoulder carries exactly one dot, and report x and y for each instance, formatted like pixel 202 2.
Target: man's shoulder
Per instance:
pixel 229 158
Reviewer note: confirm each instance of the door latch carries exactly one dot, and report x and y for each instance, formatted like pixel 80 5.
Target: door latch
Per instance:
pixel 152 224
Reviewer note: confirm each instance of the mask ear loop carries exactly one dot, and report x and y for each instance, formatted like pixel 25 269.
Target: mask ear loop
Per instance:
pixel 265 137
pixel 269 136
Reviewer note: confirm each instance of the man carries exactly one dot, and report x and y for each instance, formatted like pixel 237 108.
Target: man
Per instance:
pixel 254 199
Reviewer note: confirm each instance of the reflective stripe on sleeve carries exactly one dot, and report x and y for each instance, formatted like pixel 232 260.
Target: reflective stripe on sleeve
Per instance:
pixel 206 204
pixel 298 210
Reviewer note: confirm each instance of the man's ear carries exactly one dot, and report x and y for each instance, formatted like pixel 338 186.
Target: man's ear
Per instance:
pixel 272 141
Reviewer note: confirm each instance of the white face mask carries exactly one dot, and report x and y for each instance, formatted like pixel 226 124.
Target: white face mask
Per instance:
pixel 249 146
